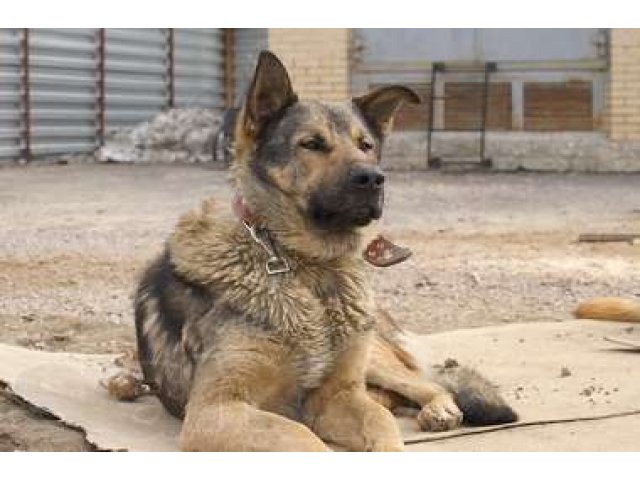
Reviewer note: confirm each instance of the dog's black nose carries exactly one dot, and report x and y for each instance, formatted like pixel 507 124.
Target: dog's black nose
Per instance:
pixel 366 177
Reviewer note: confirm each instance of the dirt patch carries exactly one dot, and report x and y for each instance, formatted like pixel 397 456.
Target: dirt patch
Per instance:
pixel 25 429
pixel 65 334
pixel 488 249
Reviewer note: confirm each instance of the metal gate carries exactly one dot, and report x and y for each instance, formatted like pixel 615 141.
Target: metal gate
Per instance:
pixel 62 90
pixel 541 74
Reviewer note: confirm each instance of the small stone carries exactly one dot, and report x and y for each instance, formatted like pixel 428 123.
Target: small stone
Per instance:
pixel 451 363
pixel 565 372
pixel 125 387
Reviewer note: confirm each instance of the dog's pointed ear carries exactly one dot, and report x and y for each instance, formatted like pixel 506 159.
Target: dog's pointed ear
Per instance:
pixel 270 92
pixel 379 107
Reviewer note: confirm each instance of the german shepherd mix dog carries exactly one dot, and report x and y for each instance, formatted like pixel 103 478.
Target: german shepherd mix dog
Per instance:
pixel 260 330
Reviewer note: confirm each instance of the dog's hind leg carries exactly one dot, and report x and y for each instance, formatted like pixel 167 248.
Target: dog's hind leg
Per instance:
pixel 385 370
pixel 230 389
pixel 447 392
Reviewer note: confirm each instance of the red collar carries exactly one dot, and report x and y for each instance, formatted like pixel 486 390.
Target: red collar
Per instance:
pixel 380 252
pixel 242 211
pixel 275 263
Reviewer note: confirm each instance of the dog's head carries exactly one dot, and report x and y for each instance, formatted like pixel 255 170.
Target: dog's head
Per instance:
pixel 324 158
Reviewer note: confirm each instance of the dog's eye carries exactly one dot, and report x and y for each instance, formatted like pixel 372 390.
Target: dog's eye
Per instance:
pixel 365 145
pixel 315 143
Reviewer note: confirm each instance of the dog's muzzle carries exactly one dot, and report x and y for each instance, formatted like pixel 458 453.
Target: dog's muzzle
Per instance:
pixel 366 178
pixel 366 184
pixel 355 203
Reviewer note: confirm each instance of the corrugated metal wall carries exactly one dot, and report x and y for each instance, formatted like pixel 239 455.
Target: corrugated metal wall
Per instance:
pixel 70 86
pixel 248 43
pixel 136 74
pixel 11 116
pixel 199 68
pixel 62 90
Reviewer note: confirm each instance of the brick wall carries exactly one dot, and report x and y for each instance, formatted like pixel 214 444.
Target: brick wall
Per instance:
pixel 317 60
pixel 623 102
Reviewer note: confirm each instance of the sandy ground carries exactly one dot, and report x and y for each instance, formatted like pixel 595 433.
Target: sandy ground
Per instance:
pixel 488 249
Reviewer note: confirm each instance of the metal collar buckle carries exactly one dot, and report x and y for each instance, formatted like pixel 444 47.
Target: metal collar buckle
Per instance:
pixel 277 265
pixel 274 264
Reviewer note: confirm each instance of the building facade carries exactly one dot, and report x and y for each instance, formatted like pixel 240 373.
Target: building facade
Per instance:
pixel 563 93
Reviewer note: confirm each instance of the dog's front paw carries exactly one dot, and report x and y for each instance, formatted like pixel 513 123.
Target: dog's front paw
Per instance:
pixel 440 414
pixel 387 444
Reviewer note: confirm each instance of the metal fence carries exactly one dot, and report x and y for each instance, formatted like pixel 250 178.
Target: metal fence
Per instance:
pixel 63 90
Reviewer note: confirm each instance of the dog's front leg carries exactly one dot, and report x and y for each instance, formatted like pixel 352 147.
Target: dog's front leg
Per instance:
pixel 224 410
pixel 237 426
pixel 341 411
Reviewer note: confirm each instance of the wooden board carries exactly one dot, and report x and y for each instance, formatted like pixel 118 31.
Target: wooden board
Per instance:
pixel 558 106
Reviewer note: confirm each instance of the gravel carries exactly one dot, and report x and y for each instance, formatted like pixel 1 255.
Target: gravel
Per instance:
pixel 487 248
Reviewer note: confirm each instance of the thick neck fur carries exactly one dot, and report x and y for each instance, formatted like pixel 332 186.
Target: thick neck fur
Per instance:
pixel 314 302
pixel 289 227
pixel 325 294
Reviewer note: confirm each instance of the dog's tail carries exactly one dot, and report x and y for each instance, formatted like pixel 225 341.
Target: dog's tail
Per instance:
pixel 476 397
pixel 609 308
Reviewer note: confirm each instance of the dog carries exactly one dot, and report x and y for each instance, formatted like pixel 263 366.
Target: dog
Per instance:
pixel 259 329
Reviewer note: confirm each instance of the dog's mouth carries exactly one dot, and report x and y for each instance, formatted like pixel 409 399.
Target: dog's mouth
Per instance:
pixel 346 216
pixel 362 216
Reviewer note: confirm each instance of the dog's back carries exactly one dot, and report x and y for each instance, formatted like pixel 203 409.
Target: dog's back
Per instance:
pixel 164 304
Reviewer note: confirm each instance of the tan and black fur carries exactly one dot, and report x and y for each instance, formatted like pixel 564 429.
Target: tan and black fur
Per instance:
pixel 254 361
